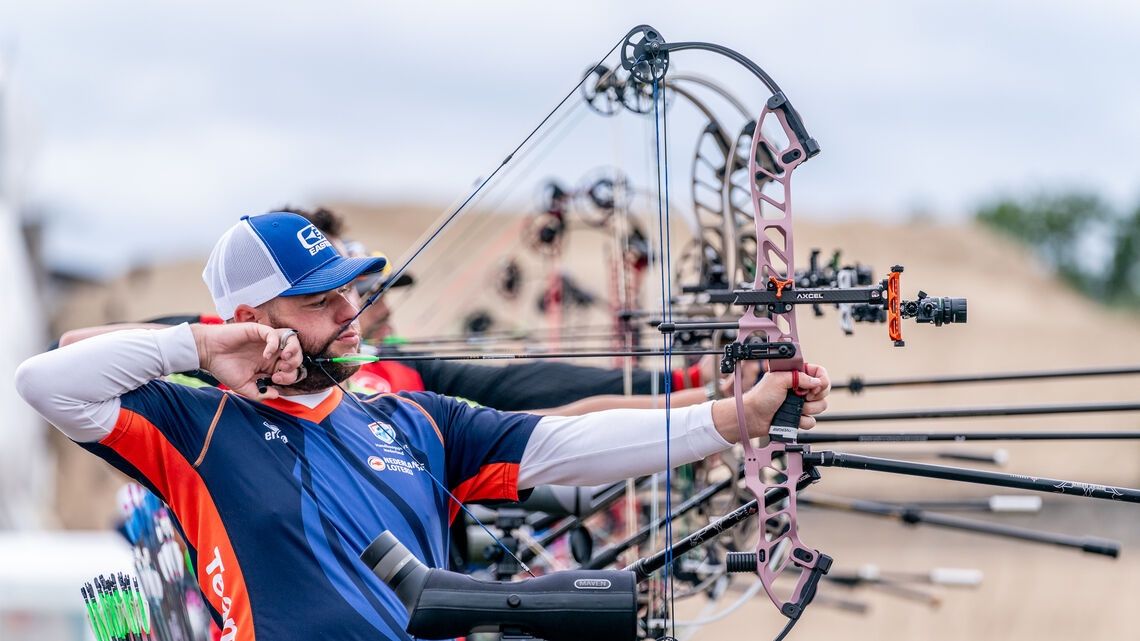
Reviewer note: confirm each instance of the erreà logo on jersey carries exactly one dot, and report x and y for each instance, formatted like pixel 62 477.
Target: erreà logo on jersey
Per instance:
pixel 312 239
pixel 383 431
pixel 274 433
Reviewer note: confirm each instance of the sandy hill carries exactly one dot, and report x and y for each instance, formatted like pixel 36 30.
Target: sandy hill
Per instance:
pixel 1020 318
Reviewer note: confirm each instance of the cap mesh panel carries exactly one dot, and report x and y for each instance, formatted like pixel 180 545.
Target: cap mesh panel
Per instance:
pixel 240 271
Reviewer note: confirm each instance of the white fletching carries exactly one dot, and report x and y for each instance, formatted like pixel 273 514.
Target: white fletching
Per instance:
pixel 869 572
pixel 1014 503
pixel 964 577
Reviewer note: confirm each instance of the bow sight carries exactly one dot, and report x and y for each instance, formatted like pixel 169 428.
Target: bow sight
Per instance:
pixel 781 295
pixel 937 310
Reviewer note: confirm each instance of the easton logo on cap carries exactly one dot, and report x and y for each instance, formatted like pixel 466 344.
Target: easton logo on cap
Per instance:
pixel 312 239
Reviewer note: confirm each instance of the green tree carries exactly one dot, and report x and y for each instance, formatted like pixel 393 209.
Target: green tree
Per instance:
pixel 1055 225
pixel 1122 280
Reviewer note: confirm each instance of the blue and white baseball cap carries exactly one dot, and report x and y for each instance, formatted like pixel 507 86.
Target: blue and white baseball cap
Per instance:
pixel 277 254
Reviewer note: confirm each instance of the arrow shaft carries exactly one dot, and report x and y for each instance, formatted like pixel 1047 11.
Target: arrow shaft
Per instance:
pixel 932 437
pixel 572 354
pixel 858 383
pixel 980 477
pixel 1024 410
pixel 915 516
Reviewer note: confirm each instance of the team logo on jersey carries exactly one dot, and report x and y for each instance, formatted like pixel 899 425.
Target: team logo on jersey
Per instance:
pixel 394 464
pixel 386 433
pixel 274 433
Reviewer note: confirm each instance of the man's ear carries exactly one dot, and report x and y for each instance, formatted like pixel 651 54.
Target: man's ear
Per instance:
pixel 247 314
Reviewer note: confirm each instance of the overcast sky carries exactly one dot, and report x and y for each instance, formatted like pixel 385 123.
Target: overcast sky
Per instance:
pixel 146 128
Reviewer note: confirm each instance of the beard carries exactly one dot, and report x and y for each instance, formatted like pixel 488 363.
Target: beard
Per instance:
pixel 319 375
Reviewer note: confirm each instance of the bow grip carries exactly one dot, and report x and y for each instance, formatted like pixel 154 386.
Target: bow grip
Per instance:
pixel 788 416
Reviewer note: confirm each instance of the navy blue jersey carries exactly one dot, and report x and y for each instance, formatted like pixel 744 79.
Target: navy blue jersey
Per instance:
pixel 277 500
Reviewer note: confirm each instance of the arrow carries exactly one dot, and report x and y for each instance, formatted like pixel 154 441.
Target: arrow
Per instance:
pixel 856 384
pixel 963 475
pixel 1025 410
pixel 923 437
pixel 912 515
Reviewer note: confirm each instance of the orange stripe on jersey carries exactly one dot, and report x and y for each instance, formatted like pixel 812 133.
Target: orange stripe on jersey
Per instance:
pixel 494 482
pixel 422 411
pixel 146 448
pixel 315 415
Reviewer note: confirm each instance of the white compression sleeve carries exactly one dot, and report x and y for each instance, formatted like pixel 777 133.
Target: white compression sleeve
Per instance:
pixel 77 388
pixel 603 447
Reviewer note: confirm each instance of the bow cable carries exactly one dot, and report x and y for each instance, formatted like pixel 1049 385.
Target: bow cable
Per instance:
pixel 661 149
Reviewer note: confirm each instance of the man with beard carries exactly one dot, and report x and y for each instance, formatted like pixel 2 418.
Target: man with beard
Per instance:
pixel 544 387
pixel 278 487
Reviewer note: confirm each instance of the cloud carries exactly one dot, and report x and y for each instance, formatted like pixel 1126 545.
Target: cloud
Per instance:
pixel 179 117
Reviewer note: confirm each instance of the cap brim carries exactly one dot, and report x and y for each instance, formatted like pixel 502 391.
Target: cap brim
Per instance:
pixel 334 274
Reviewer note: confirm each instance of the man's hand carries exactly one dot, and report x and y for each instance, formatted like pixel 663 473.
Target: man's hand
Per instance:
pixel 238 354
pixel 762 401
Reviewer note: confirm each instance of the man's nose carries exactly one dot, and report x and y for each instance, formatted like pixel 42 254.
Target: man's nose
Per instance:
pixel 347 305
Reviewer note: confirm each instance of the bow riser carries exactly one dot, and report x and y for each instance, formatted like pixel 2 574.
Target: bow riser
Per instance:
pixel 775 259
pixel 775 265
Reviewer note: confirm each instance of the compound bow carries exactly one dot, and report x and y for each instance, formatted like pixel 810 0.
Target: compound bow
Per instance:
pixel 767 328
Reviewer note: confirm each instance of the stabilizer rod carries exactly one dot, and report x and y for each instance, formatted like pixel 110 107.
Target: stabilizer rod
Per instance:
pixel 969 412
pixel 925 437
pixel 981 477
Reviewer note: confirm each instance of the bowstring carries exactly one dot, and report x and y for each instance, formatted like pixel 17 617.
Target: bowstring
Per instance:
pixel 403 441
pixel 669 298
pixel 660 133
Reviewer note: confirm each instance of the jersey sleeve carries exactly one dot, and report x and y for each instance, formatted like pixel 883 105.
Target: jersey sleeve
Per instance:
pixel 482 447
pixel 162 430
